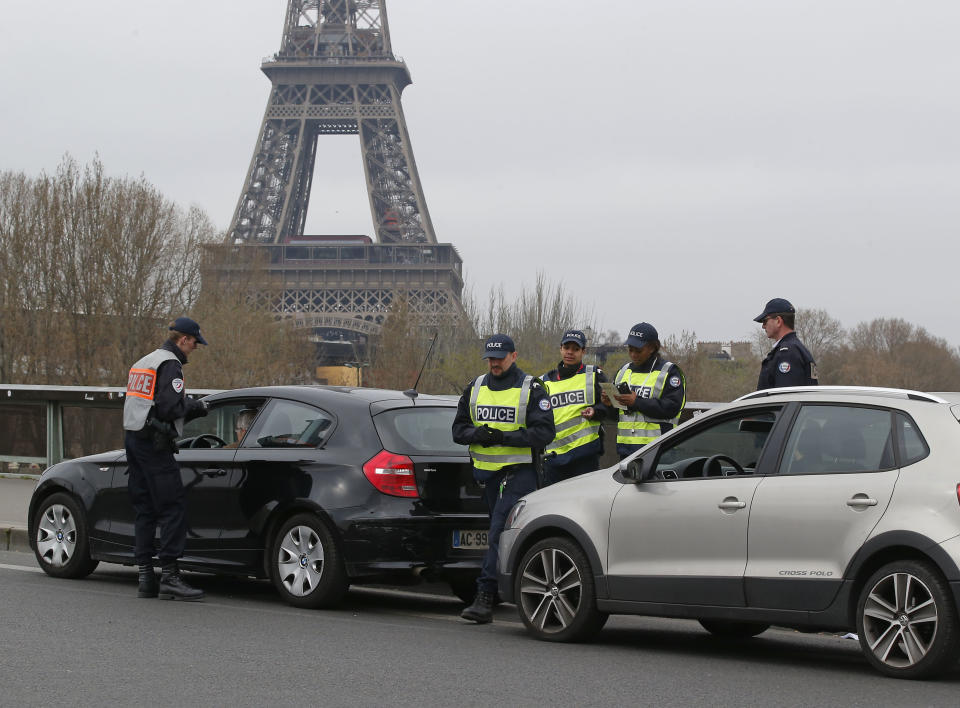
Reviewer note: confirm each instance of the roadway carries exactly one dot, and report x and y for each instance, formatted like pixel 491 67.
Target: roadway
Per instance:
pixel 92 642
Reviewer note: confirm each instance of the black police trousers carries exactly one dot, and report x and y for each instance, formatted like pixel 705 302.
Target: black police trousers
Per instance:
pixel 553 473
pixel 156 492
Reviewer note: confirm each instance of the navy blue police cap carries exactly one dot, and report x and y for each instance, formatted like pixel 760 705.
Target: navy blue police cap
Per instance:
pixel 497 347
pixel 184 325
pixel 574 335
pixel 642 333
pixel 777 306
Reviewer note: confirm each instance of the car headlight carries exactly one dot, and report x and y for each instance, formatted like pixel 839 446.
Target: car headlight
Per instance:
pixel 514 513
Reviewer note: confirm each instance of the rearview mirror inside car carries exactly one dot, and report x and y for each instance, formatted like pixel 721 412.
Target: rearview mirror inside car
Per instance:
pixel 756 426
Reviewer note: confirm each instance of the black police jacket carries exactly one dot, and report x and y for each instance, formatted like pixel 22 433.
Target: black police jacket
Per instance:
pixel 170 401
pixel 789 363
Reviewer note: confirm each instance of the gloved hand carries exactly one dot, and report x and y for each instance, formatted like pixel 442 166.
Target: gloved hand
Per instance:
pixel 486 435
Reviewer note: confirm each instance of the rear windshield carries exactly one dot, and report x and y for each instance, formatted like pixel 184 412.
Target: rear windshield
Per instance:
pixel 419 431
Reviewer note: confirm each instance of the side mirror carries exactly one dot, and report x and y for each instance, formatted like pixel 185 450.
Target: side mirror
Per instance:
pixel 633 471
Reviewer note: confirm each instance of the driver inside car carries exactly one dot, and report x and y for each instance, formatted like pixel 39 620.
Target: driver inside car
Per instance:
pixel 243 423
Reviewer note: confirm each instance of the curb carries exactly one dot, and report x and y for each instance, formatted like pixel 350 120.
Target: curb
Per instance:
pixel 15 539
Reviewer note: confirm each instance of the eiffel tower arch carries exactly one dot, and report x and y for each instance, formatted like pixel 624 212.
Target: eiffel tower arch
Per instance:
pixel 336 74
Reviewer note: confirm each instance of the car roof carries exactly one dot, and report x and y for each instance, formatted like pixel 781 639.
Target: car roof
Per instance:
pixel 827 392
pixel 320 395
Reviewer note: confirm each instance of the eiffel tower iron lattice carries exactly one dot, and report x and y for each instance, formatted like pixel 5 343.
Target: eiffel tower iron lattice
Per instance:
pixel 336 74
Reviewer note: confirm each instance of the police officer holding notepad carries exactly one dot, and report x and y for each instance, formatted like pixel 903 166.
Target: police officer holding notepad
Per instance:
pixel 653 392
pixel 505 418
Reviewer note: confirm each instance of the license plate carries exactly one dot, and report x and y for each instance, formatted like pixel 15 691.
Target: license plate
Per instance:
pixel 470 539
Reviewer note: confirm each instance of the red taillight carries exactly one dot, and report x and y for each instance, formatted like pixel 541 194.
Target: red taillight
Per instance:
pixel 392 474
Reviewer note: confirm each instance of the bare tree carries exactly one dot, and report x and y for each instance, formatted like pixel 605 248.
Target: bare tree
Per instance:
pixel 708 378
pixel 92 268
pixel 893 352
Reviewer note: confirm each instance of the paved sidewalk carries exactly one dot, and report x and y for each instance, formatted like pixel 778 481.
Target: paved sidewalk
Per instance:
pixel 14 505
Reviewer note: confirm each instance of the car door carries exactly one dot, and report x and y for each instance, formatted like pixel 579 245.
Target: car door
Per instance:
pixel 274 466
pixel 205 470
pixel 681 536
pixel 834 481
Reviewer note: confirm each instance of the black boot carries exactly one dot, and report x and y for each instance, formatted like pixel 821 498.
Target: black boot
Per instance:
pixel 172 586
pixel 481 611
pixel 149 587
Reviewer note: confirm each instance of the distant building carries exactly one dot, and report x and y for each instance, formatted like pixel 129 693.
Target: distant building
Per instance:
pixel 730 351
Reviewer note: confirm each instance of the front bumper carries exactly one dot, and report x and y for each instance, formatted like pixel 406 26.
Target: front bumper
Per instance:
pixel 505 563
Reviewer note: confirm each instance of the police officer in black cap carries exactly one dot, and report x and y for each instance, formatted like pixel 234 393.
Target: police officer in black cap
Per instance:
pixel 505 418
pixel 154 411
pixel 789 363
pixel 652 392
pixel 578 410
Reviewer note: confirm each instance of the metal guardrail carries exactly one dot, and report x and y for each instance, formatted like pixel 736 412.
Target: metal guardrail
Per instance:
pixel 42 425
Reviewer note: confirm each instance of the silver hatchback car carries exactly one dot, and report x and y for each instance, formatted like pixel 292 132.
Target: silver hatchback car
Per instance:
pixel 816 508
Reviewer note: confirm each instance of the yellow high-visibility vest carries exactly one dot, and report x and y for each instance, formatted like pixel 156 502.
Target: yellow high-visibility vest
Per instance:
pixel 501 410
pixel 634 428
pixel 568 398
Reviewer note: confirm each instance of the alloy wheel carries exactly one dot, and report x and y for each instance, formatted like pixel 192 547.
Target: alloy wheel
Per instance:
pixel 300 561
pixel 550 590
pixel 900 620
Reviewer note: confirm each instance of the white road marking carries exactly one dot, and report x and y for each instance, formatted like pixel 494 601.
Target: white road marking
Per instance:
pixel 29 569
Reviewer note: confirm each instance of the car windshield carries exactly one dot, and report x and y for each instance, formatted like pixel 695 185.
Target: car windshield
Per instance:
pixel 418 431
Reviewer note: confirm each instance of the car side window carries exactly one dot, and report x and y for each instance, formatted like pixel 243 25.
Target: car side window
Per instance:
pixel 912 445
pixel 836 439
pixel 738 440
pixel 290 424
pixel 225 422
pixel 210 424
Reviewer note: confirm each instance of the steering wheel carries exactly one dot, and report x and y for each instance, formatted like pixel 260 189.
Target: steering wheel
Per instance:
pixel 716 460
pixel 208 438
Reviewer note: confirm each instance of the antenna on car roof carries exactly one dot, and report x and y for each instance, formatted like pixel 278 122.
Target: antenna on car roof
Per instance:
pixel 412 392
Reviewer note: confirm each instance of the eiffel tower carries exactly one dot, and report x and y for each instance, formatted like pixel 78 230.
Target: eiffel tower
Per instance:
pixel 335 74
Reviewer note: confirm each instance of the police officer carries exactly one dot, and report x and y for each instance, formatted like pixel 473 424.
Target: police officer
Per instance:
pixel 575 396
pixel 505 418
pixel 653 392
pixel 789 363
pixel 154 410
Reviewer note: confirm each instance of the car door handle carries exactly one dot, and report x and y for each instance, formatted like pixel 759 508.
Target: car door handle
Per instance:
pixel 731 503
pixel 861 500
pixel 214 473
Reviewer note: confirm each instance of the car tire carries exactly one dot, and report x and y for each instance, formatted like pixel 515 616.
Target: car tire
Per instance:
pixel 555 592
pixel 907 621
pixel 62 545
pixel 729 629
pixel 306 564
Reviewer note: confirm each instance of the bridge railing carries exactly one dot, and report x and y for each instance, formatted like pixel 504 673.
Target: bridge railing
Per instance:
pixel 42 425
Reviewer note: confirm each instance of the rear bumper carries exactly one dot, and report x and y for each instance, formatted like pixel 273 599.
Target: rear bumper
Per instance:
pixel 398 546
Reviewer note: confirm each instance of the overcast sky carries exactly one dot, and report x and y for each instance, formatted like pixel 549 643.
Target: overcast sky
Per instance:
pixel 677 162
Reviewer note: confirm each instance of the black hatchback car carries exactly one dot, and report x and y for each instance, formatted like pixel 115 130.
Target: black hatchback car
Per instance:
pixel 328 486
